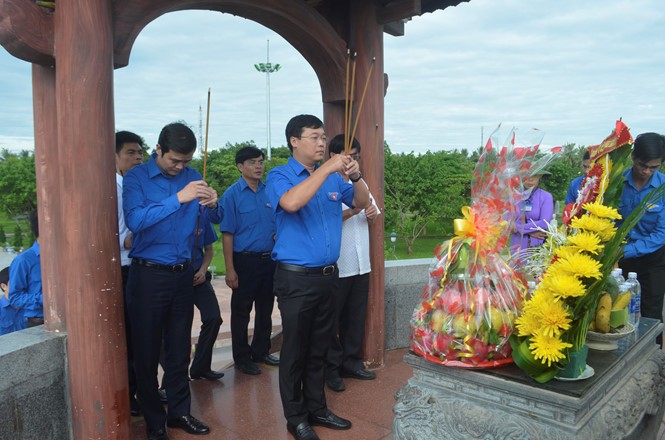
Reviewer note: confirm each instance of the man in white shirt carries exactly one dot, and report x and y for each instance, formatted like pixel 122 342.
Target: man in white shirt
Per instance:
pixel 128 154
pixel 344 357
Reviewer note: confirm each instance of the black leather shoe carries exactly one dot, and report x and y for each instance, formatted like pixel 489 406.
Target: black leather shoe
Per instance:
pixel 248 368
pixel 336 384
pixel 330 420
pixel 302 432
pixel 189 424
pixel 271 360
pixel 134 408
pixel 210 375
pixel 361 374
pixel 158 434
pixel 162 395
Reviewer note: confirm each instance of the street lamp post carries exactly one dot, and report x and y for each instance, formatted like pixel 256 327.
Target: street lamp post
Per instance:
pixel 268 68
pixel 393 240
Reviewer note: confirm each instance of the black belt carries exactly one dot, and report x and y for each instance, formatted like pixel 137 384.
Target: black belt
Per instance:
pixel 255 254
pixel 323 270
pixel 37 321
pixel 167 267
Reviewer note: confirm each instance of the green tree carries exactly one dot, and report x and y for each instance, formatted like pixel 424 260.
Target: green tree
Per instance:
pixel 422 189
pixel 3 236
pixel 17 242
pixel 566 167
pixel 18 193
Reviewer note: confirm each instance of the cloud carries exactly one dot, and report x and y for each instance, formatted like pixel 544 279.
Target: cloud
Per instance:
pixel 569 68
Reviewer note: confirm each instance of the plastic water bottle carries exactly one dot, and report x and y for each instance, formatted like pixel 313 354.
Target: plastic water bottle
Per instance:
pixel 634 309
pixel 618 275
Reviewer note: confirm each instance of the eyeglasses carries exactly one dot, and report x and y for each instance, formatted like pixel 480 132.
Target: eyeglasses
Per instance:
pixel 315 138
pixel 644 167
pixel 355 157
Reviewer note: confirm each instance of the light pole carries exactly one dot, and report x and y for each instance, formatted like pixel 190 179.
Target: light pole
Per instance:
pixel 393 240
pixel 268 68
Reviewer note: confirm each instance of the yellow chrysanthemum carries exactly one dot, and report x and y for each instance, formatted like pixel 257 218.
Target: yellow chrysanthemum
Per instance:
pixel 602 211
pixel 542 295
pixel 548 348
pixel 527 324
pixel 580 265
pixel 566 251
pixel 564 286
pixel 586 241
pixel 601 226
pixel 554 319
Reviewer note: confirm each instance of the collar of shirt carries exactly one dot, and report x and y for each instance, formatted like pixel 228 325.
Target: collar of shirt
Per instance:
pixel 244 185
pixel 299 168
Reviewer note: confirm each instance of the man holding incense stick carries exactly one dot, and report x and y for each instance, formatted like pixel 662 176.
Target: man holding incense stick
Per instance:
pixel 307 200
pixel 162 199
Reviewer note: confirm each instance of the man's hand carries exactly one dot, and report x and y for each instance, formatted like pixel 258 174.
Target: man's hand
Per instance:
pixel 197 190
pixel 352 168
pixel 371 212
pixel 200 277
pixel 336 164
pixel 128 241
pixel 538 234
pixel 231 279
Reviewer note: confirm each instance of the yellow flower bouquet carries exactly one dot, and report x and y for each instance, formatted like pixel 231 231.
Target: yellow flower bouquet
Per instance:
pixel 554 322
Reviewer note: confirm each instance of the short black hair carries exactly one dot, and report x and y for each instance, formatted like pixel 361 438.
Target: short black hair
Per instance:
pixel 4 275
pixel 34 223
pixel 586 155
pixel 649 146
pixel 336 144
pixel 246 153
pixel 127 137
pixel 177 137
pixel 296 125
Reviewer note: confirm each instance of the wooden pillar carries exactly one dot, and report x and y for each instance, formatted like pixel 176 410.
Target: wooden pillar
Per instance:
pixel 47 173
pixel 85 217
pixel 367 41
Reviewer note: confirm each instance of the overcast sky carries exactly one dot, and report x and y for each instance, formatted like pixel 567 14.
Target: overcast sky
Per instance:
pixel 569 68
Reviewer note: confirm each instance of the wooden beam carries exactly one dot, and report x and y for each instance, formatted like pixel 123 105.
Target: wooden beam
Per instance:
pixel 398 10
pixel 26 31
pixel 394 28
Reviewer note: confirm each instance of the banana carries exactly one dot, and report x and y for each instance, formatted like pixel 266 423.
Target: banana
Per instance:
pixel 602 321
pixel 621 301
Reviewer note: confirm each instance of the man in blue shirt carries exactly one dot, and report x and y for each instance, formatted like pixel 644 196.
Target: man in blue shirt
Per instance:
pixel 575 185
pixel 11 318
pixel 25 280
pixel 307 200
pixel 248 231
pixel 162 199
pixel 644 251
pixel 205 300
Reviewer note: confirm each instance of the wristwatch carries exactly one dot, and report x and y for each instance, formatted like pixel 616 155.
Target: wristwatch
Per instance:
pixel 360 176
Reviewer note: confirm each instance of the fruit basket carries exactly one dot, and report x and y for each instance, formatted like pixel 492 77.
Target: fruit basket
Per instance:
pixel 608 341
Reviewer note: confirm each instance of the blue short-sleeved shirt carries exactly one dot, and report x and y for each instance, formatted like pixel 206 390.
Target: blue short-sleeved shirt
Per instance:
pixel 25 283
pixel 249 216
pixel 573 189
pixel 11 318
pixel 312 236
pixel 648 235
pixel 208 236
pixel 162 229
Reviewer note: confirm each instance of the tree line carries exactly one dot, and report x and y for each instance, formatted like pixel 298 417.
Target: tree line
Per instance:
pixel 423 192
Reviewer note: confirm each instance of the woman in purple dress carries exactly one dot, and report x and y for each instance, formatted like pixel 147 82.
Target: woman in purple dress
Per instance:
pixel 534 211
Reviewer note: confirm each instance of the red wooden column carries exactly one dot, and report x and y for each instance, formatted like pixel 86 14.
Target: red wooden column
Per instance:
pixel 367 41
pixel 47 173
pixel 86 222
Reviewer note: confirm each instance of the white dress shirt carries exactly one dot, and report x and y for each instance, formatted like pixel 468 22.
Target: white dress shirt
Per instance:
pixel 354 253
pixel 122 227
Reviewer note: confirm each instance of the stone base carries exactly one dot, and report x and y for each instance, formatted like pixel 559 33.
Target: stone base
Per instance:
pixel 623 400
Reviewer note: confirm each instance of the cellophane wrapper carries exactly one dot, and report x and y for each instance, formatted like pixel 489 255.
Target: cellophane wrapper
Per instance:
pixel 467 309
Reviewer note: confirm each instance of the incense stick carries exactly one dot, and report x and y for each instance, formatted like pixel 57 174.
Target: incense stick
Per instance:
pixel 362 100
pixel 205 151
